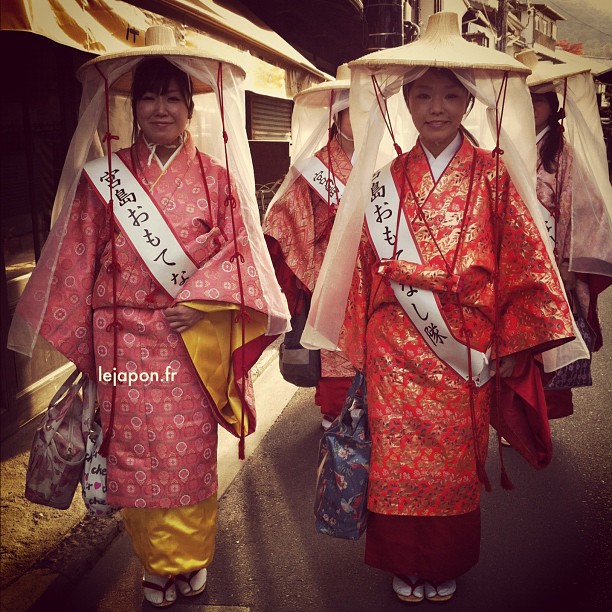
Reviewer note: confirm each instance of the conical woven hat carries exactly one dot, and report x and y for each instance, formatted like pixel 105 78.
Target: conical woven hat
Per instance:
pixel 342 81
pixel 159 42
pixel 442 46
pixel 546 72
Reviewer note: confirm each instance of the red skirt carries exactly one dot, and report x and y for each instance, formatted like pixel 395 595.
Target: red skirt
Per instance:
pixel 434 548
pixel 331 393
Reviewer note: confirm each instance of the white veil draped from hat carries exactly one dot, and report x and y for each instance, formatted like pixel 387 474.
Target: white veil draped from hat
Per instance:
pixel 207 132
pixel 486 79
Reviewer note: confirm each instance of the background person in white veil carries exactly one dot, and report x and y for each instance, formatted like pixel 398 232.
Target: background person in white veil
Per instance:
pixel 151 286
pixel 300 219
pixel 577 219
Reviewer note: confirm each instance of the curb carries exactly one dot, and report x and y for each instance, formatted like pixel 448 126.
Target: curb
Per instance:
pixel 81 548
pixel 57 571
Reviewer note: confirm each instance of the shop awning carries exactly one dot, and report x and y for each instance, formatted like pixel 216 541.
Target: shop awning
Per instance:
pixel 103 26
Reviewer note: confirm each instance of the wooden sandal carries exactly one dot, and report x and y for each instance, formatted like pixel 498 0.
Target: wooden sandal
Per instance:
pixel 409 588
pixel 164 590
pixel 440 591
pixel 184 582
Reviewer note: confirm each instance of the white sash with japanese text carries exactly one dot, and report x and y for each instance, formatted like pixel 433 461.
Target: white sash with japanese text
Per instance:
pixel 421 305
pixel 143 224
pixel 319 177
pixel 550 223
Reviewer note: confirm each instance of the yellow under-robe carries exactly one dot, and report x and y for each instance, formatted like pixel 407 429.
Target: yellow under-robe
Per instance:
pixel 171 541
pixel 211 342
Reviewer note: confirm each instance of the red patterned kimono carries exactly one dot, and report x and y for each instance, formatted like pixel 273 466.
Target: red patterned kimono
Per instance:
pixel 297 229
pixel 424 491
pixel 163 451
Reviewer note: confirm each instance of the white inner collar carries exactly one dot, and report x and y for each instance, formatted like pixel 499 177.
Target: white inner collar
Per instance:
pixel 439 164
pixel 153 152
pixel 542 133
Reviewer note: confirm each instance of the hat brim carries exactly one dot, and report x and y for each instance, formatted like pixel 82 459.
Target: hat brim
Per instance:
pixel 325 86
pixel 123 84
pixel 554 72
pixel 441 46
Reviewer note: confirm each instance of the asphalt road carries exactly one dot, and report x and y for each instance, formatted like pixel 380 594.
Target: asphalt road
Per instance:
pixel 546 545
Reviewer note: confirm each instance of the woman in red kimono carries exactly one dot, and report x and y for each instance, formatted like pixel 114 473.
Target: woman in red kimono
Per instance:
pixel 113 305
pixel 429 428
pixel 300 219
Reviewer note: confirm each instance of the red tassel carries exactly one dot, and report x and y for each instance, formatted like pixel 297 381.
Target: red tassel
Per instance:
pixel 482 476
pixel 241 447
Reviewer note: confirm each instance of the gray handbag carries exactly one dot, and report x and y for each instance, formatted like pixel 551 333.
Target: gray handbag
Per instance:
pixel 58 449
pixel 299 366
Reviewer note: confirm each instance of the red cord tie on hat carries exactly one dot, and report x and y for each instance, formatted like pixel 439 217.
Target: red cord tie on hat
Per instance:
pixel 108 137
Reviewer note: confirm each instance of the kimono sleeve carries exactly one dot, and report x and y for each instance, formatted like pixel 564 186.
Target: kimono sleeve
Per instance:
pixel 57 301
pixel 533 310
pixel 352 341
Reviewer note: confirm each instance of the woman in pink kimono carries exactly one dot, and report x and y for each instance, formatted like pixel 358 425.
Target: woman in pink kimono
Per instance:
pixel 162 283
pixel 556 192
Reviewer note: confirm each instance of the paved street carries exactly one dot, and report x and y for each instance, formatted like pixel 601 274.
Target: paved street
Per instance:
pixel 546 545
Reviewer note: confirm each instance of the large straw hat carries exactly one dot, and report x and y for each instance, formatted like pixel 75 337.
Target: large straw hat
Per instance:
pixel 442 46
pixel 546 72
pixel 341 82
pixel 159 42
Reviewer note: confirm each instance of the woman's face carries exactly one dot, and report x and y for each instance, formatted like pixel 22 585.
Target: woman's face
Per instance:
pixel 163 117
pixel 437 104
pixel 541 111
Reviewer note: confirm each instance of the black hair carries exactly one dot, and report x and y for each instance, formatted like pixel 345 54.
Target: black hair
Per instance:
pixel 553 142
pixel 154 76
pixel 448 74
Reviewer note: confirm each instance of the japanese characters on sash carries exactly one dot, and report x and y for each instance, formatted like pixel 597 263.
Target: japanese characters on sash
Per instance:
pixel 382 127
pixel 218 108
pixel 312 118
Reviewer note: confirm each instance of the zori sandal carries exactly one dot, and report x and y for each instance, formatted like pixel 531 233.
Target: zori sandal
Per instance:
pixel 440 591
pixel 191 584
pixel 409 588
pixel 159 595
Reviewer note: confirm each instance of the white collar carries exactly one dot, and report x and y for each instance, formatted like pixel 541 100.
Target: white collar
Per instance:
pixel 153 152
pixel 439 164
pixel 542 133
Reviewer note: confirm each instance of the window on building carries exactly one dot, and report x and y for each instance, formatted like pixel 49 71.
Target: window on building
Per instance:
pixel 269 132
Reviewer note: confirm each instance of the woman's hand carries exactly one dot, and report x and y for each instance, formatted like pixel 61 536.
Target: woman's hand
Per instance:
pixel 181 318
pixel 506 366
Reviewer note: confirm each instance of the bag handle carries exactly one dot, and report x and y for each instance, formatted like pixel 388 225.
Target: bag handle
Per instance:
pixel 62 399
pixel 68 387
pixel 357 384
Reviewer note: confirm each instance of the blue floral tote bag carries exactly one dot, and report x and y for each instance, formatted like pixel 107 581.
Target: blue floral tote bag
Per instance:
pixel 344 465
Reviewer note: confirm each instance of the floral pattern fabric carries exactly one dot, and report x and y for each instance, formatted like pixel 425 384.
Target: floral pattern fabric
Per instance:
pixel 301 223
pixel 164 445
pixel 423 431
